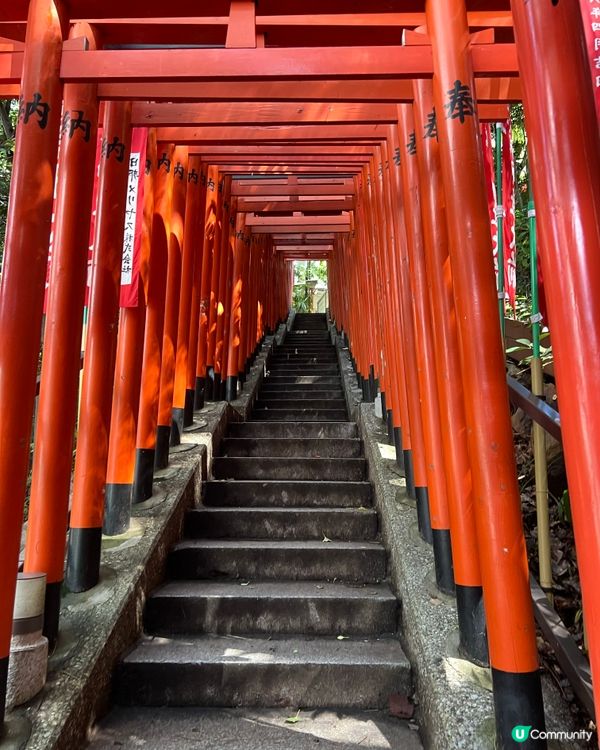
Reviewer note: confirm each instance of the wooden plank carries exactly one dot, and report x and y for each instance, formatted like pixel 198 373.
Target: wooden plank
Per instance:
pixel 242 189
pixel 376 90
pixel 271 133
pixel 9 90
pixel 250 113
pixel 324 160
pixel 285 204
pixel 241 29
pixel 299 221
pixel 11 65
pixel 308 149
pixel 302 248
pixel 317 238
pixel 234 169
pixel 268 63
pixel 502 19
pixel 277 113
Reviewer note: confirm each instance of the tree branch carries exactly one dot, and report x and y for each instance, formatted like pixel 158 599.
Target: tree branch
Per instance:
pixel 9 132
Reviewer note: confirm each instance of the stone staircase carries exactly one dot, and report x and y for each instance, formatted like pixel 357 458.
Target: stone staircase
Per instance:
pixel 277 595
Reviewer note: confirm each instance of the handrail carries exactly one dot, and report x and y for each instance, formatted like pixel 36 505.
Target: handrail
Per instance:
pixel 535 407
pixel 571 659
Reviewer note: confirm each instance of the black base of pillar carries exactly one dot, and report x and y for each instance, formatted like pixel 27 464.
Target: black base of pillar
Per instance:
pixel 423 517
pixel 396 441
pixel 209 384
pixel 163 439
pixel 390 429
pixel 143 475
pixel 83 559
pixel 241 378
pixel 372 385
pixel 177 417
pixel 199 394
pixel 358 378
pixel 444 567
pixel 231 388
pixel 217 391
pixel 188 409
pixel 363 388
pixel 3 684
pixel 383 407
pixel 52 613
pixel 117 509
pixel 409 474
pixel 518 703
pixel 471 624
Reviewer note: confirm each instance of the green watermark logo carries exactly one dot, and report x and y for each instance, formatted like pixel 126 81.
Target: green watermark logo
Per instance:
pixel 520 733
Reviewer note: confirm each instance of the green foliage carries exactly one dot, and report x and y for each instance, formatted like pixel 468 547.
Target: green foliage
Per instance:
pixel 519 139
pixel 8 118
pixel 546 353
pixel 564 507
pixel 305 271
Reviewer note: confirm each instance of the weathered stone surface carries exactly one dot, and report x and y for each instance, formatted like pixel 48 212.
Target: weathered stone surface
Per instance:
pixel 253 729
pixel 265 607
pixel 225 671
pixel 282 523
pixel 273 560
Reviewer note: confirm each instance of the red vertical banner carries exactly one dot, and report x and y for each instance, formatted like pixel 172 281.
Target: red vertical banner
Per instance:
pixel 490 183
pixel 590 10
pixel 132 230
pixel 509 221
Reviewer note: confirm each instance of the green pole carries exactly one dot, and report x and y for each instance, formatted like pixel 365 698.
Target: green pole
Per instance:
pixel 539 439
pixel 533 272
pixel 500 224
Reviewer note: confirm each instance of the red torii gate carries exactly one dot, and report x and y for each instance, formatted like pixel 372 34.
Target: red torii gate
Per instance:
pixel 348 58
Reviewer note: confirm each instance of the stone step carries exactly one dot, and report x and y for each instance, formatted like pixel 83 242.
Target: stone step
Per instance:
pixel 318 381
pixel 306 351
pixel 293 447
pixel 304 357
pixel 303 348
pixel 265 608
pixel 300 415
pixel 297 494
pixel 295 430
pixel 322 390
pixel 307 334
pixel 292 403
pixel 156 728
pixel 294 369
pixel 227 671
pixel 306 340
pixel 283 392
pixel 344 524
pixel 340 469
pixel 301 360
pixel 363 562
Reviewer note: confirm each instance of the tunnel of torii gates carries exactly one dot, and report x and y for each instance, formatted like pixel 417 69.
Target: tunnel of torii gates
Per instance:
pixel 278 131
